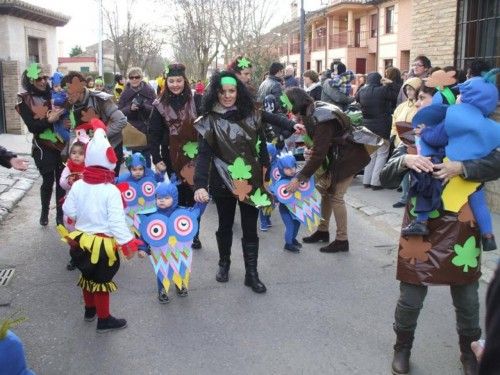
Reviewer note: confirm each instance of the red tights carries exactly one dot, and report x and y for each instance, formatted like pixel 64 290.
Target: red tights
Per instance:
pixel 99 300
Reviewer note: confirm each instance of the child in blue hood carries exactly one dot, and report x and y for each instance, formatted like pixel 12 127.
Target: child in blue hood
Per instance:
pixel 137 169
pixel 265 213
pixel 59 99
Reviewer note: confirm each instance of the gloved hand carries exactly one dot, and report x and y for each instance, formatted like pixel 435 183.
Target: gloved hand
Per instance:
pixel 131 247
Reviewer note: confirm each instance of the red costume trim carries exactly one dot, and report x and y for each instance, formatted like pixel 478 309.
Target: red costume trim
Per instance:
pixel 98 175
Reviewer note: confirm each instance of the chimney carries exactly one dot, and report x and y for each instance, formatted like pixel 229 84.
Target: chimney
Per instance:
pixel 294 9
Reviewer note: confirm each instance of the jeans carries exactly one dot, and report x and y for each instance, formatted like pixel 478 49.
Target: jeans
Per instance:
pixel 465 299
pixel 377 162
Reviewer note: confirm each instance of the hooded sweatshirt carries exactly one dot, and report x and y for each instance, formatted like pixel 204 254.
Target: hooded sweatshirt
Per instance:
pixel 406 110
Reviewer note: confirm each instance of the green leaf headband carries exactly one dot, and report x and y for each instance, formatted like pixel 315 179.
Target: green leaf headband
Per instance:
pixel 286 102
pixel 33 71
pixel 244 63
pixel 228 81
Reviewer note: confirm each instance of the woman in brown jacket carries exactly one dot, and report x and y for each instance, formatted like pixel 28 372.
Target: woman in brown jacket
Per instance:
pixel 336 155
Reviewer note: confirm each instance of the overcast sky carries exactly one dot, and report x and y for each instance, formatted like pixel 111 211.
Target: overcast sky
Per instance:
pixel 82 29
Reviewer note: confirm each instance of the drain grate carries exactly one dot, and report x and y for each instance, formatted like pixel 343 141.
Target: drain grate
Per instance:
pixel 6 275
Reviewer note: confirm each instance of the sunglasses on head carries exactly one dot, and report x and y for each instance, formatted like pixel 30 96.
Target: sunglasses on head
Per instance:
pixel 134 77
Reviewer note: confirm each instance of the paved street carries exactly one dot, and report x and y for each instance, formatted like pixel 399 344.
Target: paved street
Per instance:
pixel 323 313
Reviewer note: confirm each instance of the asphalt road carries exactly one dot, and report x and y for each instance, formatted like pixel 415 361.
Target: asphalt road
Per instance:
pixel 323 313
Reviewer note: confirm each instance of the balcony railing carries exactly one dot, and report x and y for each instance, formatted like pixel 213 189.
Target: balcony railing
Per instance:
pixel 349 39
pixel 319 43
pixel 295 48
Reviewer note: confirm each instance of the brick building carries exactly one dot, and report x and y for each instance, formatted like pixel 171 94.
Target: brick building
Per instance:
pixel 27 34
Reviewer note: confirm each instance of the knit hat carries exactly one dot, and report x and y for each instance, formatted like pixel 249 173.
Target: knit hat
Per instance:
pixel 479 93
pixel 99 152
pixel 135 160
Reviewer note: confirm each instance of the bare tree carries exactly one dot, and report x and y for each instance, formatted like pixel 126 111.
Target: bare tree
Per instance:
pixel 134 44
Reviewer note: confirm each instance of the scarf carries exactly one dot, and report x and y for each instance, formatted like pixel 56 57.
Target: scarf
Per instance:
pixel 75 168
pixel 98 175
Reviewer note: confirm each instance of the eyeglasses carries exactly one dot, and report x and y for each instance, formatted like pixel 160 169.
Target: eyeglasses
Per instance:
pixel 418 65
pixel 134 77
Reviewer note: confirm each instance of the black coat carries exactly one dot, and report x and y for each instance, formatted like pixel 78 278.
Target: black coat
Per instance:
pixel 376 104
pixel 5 157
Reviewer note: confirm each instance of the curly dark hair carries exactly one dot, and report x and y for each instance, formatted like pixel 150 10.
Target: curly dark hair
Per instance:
pixel 28 86
pixel 244 101
pixel 166 95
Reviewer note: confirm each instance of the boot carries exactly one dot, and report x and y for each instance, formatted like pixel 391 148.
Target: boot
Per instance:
pixel 59 215
pixel 317 236
pixel 488 242
pixel 402 351
pixel 251 254
pixel 224 244
pixel 196 245
pixel 109 324
pixel 335 247
pixel 45 195
pixel 90 314
pixel 467 357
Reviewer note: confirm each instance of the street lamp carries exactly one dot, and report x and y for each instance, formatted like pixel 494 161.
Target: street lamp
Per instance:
pixel 302 52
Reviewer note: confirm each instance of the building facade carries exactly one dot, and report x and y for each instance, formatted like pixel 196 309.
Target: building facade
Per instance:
pixel 27 34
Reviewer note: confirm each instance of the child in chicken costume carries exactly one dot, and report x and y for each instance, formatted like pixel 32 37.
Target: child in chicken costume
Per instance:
pixel 100 228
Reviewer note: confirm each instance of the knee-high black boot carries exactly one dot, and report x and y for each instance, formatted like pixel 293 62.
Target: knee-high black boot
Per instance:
pixel 251 254
pixel 45 194
pixel 467 357
pixel 224 243
pixel 402 351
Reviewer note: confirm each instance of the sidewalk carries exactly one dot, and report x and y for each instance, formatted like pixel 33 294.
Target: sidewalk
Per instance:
pixel 14 185
pixel 378 206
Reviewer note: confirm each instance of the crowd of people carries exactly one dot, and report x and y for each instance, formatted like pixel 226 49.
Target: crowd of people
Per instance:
pixel 230 142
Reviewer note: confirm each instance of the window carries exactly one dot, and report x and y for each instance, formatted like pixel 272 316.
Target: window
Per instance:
pixel 84 69
pixel 33 50
pixel 373 26
pixel 387 63
pixel 389 20
pixel 476 19
pixel 319 65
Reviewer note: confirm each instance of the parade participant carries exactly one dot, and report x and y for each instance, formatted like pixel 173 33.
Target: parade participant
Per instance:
pixel 34 107
pixel 10 160
pixel 435 259
pixel 232 158
pixel 73 172
pixel 287 166
pixel 136 102
pixel 59 100
pixel 265 213
pixel 172 139
pixel 94 203
pixel 137 169
pixel 242 68
pixel 335 160
pixel 86 105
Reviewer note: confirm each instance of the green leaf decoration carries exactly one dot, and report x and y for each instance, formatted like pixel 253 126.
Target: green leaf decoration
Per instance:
pixel 190 149
pixel 286 102
pixel 72 119
pixel 244 63
pixel 432 215
pixel 239 170
pixel 49 135
pixel 7 323
pixel 307 140
pixel 33 71
pixel 257 145
pixel 466 254
pixel 260 199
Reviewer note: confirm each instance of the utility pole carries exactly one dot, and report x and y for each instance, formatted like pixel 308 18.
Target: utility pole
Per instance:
pixel 302 46
pixel 99 52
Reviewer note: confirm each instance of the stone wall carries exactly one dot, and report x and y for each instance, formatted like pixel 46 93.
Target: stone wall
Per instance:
pixel 433 31
pixel 11 75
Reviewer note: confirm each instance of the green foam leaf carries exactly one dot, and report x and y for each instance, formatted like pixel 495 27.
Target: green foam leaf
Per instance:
pixel 239 170
pixel 190 149
pixel 466 254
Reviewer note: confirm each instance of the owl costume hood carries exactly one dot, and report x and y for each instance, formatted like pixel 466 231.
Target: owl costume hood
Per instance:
pixel 166 190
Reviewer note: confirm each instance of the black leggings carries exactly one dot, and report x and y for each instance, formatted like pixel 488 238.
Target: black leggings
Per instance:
pixel 226 209
pixel 48 180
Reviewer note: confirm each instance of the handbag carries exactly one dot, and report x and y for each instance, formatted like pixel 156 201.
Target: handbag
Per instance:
pixel 133 137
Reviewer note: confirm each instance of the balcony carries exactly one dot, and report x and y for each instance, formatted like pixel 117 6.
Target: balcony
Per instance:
pixel 349 39
pixel 295 48
pixel 319 43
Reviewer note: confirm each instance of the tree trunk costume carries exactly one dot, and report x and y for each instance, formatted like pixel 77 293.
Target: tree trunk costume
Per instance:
pixel 230 165
pixel 33 107
pixel 449 255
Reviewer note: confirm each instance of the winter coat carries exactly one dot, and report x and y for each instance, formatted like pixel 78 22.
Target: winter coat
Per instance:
pixel 314 91
pixel 145 96
pixel 331 141
pixel 5 157
pixel 290 81
pixel 376 101
pixel 403 114
pixel 332 94
pixel 270 86
pixel 437 260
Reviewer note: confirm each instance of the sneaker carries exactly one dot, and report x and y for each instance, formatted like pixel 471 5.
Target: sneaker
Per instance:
pixel 297 243
pixel 196 245
pixel 377 187
pixel 398 205
pixel 488 242
pixel 182 292
pixel 292 248
pixel 367 186
pixel 317 236
pixel 336 247
pixel 90 314
pixel 109 324
pixel 415 228
pixel 263 227
pixel 71 265
pixel 163 297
